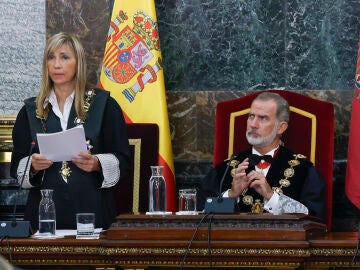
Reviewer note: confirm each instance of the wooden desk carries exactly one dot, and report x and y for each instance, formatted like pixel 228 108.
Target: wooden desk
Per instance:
pixel 333 250
pixel 133 243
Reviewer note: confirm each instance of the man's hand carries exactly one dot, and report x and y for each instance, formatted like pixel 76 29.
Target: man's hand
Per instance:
pixel 258 182
pixel 240 179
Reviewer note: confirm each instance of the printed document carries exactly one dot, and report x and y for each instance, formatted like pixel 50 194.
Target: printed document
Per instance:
pixel 63 145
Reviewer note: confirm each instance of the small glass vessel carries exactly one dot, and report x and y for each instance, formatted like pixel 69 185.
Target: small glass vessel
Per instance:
pixel 157 190
pixel 47 214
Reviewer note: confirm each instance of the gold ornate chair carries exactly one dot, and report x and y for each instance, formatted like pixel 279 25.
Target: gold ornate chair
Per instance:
pixel 311 133
pixel 131 192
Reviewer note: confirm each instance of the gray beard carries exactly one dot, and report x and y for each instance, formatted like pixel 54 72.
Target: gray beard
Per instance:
pixel 262 141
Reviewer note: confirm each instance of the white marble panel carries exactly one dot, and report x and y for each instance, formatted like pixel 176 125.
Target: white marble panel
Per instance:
pixel 22 41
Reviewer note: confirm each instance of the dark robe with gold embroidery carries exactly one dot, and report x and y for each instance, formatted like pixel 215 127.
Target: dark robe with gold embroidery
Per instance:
pixel 106 129
pixel 306 185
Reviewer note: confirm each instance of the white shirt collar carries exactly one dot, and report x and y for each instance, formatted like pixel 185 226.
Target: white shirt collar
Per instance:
pixel 64 116
pixel 52 98
pixel 271 152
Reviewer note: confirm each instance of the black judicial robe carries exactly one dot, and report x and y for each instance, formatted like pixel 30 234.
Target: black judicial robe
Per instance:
pixel 306 185
pixel 106 129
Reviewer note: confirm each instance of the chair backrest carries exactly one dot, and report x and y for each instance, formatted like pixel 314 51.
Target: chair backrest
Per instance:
pixel 131 194
pixel 310 132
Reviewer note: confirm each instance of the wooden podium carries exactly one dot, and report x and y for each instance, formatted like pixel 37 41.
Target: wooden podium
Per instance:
pixel 241 241
pixel 244 240
pixel 245 226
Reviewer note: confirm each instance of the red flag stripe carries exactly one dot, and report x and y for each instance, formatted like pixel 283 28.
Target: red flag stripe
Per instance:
pixel 170 184
pixel 352 184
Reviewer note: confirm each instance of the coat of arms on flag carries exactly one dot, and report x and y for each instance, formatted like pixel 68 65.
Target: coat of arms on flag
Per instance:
pixel 129 52
pixel 132 71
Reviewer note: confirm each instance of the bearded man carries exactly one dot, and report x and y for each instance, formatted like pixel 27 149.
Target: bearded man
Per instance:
pixel 268 177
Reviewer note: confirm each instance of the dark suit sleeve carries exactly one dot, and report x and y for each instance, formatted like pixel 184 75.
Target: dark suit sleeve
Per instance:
pixel 21 141
pixel 114 132
pixel 313 193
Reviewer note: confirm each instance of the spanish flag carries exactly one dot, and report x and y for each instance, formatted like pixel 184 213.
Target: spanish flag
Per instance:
pixel 352 183
pixel 132 72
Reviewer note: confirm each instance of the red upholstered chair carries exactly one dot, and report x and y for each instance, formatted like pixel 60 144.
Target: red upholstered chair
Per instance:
pixel 131 192
pixel 310 132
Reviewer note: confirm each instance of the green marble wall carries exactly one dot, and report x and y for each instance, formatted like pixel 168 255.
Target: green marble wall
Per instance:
pixel 249 45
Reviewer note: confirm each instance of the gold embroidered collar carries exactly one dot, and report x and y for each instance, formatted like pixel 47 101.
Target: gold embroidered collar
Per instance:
pixel 258 206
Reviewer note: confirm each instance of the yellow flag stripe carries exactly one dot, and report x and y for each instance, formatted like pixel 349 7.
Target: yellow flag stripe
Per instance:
pixel 132 71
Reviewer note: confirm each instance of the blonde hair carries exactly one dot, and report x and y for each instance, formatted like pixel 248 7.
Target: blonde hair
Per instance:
pixel 80 79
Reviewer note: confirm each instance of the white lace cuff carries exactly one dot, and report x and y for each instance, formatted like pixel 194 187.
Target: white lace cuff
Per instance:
pixel 282 204
pixel 21 172
pixel 110 169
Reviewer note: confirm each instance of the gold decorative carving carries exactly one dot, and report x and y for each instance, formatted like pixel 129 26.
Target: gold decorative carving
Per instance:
pixel 92 262
pixel 332 264
pixel 204 251
pixel 6 126
pixel 136 191
pixel 332 252
pixel 109 257
pixel 56 249
pixel 222 263
pixel 108 251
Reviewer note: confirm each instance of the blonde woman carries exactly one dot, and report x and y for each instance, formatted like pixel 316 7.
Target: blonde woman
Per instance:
pixel 65 100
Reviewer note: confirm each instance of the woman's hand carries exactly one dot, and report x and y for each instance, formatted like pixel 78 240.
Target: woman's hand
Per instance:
pixel 87 162
pixel 39 162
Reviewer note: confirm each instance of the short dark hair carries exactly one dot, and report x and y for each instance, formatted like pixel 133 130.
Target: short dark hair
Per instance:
pixel 282 106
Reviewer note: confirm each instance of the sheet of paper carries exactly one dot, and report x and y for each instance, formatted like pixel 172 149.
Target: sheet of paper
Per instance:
pixel 63 233
pixel 63 145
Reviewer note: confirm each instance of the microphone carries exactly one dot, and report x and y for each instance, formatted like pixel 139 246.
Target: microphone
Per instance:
pixel 16 228
pixel 220 204
pixel 224 175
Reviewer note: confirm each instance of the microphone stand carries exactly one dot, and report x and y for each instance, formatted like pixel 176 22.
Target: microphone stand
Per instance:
pixel 223 178
pixel 220 204
pixel 17 228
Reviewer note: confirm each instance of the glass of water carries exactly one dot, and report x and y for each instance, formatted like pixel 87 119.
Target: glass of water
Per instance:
pixel 187 201
pixel 85 225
